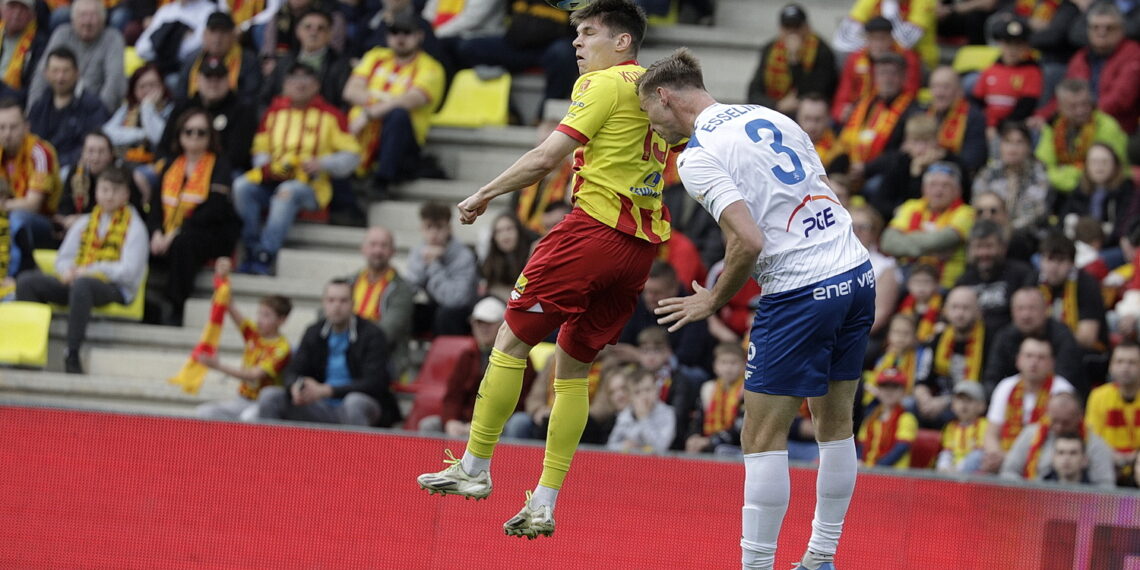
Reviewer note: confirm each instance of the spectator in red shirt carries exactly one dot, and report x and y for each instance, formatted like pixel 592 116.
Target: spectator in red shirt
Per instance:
pixel 1111 65
pixel 1011 87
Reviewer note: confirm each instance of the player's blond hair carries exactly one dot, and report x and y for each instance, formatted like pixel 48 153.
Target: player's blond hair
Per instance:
pixel 678 71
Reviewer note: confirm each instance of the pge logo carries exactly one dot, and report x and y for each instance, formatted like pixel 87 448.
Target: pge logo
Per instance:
pixel 822 220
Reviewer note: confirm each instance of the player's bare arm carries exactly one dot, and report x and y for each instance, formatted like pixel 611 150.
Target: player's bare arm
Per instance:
pixel 528 169
pixel 744 243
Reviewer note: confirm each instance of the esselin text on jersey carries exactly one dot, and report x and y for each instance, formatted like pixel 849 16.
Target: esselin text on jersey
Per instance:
pixel 726 116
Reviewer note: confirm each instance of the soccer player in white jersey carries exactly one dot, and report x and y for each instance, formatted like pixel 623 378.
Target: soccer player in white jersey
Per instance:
pixel 758 174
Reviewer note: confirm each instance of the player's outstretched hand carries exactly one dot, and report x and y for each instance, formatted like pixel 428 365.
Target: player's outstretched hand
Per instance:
pixel 472 208
pixel 680 311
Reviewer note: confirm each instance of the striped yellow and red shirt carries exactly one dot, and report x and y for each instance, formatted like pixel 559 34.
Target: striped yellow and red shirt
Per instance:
pixel 268 354
pixel 34 168
pixel 961 439
pixel 618 169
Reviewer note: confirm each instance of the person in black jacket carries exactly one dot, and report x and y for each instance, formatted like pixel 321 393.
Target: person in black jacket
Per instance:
pixel 339 373
pixel 234 119
pixel 795 63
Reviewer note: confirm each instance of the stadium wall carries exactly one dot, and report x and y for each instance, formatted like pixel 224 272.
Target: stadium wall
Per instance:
pixel 82 489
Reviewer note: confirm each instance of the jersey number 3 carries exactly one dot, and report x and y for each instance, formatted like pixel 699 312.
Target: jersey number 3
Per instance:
pixel 793 176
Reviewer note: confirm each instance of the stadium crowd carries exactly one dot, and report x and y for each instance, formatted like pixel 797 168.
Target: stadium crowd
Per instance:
pixel 996 197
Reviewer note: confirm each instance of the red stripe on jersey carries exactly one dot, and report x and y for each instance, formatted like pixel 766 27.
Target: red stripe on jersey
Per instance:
pixel 647 225
pixel 626 222
pixel 1115 419
pixel 573 133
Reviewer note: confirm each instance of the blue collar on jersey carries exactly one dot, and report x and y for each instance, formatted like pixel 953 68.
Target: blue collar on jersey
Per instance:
pixel 693 142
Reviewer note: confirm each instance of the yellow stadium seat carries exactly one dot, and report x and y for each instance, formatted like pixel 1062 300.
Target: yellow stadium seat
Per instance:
pixel 131 61
pixel 924 96
pixel 975 58
pixel 541 354
pixel 24 333
pixel 668 19
pixel 45 259
pixel 473 102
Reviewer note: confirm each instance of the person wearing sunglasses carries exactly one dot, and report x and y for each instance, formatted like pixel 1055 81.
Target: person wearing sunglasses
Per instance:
pixel 191 217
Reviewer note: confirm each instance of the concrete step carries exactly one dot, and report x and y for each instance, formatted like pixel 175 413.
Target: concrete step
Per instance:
pixel 113 386
pixel 137 335
pixel 732 69
pixel 316 266
pixel 517 137
pixel 476 164
pixel 449 191
pixel 323 236
pixel 304 314
pixel 98 403
pixel 402 217
pixel 296 287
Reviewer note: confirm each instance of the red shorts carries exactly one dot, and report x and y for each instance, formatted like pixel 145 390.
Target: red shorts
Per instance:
pixel 585 276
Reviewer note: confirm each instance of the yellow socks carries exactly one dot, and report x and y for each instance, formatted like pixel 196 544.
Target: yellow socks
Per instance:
pixel 498 397
pixel 567 420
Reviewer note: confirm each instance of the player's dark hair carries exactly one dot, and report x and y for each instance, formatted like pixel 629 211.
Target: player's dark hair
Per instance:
pixel 1058 245
pixel 281 306
pixel 435 212
pixel 618 16
pixel 678 71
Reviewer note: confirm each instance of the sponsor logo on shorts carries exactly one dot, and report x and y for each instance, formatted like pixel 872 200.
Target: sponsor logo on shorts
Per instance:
pixel 867 279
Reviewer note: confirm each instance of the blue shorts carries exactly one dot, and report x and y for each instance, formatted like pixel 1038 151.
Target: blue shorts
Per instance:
pixel 804 338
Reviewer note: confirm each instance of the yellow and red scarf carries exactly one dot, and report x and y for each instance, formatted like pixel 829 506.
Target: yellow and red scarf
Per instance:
pixel 828 147
pixel 366 294
pixel 777 73
pixel 975 346
pixel 907 363
pixel 952 129
pixel 192 374
pixel 80 189
pixel 1036 9
pixel 871 125
pixel 445 10
pixel 929 317
pixel 181 195
pixel 1069 313
pixel 881 435
pixel 232 62
pixel 13 75
pixel 1013 410
pixel 1075 154
pixel 108 247
pixel 534 199
pixel 5 248
pixel 723 407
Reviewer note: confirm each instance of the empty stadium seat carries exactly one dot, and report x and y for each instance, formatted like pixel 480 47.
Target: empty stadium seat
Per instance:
pixel 131 61
pixel 24 333
pixel 974 58
pixel 925 450
pixel 431 383
pixel 45 259
pixel 473 102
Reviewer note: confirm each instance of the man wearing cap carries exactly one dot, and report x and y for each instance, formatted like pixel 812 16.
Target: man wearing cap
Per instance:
pixel 293 167
pixel 314 34
pixel 1111 65
pixel 913 23
pixel 65 112
pixel 959 357
pixel 964 437
pixel 219 41
pixel 189 13
pixel 1010 88
pixel 876 122
pixel 961 126
pixel 795 63
pixel 99 50
pixel 380 295
pixel 467 373
pixel 234 119
pixel 1064 142
pixel 1114 409
pixel 1031 455
pixel 393 91
pixel 933 229
pixel 21 45
pixel 856 81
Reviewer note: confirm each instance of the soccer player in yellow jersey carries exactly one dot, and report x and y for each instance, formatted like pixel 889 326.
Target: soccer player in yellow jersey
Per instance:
pixel 586 274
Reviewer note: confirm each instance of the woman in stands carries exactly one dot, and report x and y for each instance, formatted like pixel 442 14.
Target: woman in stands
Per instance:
pixel 1105 194
pixel 1018 178
pixel 507 251
pixel 136 128
pixel 78 195
pixel 192 219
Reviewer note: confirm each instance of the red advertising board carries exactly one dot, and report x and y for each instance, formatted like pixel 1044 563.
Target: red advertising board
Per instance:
pixel 81 489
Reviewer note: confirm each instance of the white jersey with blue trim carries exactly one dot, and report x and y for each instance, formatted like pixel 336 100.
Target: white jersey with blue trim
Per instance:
pixel 760 156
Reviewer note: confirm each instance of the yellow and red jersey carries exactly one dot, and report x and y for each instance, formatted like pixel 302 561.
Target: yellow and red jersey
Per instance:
pixel 268 354
pixel 961 439
pixel 1113 419
pixel 35 167
pixel 618 180
pixel 878 435
pixel 384 74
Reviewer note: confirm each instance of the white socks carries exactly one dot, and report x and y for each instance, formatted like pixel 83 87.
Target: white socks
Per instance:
pixel 767 489
pixel 473 465
pixel 544 496
pixel 835 483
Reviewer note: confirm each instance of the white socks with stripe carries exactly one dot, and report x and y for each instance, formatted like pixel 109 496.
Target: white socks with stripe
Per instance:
pixel 835 483
pixel 767 489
